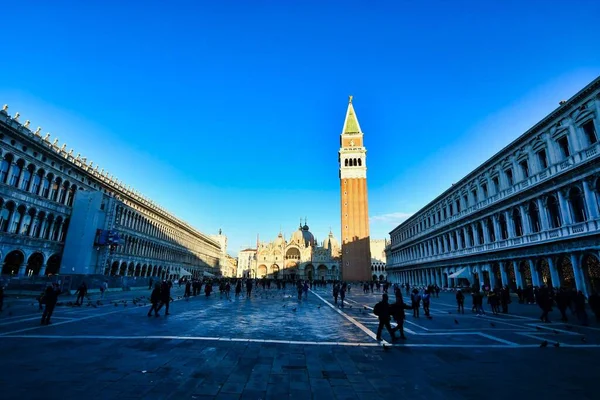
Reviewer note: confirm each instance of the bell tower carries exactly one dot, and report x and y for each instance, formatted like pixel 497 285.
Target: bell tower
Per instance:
pixel 352 158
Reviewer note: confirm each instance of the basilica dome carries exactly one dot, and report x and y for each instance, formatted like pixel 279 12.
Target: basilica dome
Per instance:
pixel 303 236
pixel 331 242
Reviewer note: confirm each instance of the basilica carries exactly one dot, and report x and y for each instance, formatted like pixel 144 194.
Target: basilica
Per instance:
pixel 300 257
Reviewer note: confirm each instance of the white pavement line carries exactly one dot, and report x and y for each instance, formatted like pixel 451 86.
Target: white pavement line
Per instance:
pixel 497 339
pixel 551 328
pixel 417 325
pixel 349 318
pixel 242 340
pixel 17 321
pixel 531 336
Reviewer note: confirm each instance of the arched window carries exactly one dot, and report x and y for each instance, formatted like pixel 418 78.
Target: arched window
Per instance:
pixel 491 231
pixel 37 180
pixel 359 162
pixel 16 223
pixel 26 178
pixel 4 218
pixel 480 234
pixel 534 217
pixel 15 173
pixel 54 189
pixel 577 203
pixel 470 236
pixel 553 212
pixel 46 185
pixel 518 222
pixel 25 224
pixel 346 162
pixel 4 167
pixel 355 162
pixel 503 226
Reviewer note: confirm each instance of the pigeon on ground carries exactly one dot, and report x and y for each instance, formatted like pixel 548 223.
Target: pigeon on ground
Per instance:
pixel 456 321
pixel 538 328
pixel 556 344
pixel 544 344
pixel 294 309
pixel 492 324
pixel 583 339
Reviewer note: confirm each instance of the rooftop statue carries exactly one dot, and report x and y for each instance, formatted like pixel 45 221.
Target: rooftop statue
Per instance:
pixel 47 137
pixel 55 141
pixel 37 131
pixel 5 107
pixel 16 117
pixel 64 146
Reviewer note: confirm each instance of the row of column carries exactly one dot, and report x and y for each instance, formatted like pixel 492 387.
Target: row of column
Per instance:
pixel 476 275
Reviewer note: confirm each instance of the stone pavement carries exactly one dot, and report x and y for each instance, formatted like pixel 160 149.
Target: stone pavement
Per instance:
pixel 274 347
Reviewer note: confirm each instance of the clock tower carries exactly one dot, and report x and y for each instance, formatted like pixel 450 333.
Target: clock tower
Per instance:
pixel 352 158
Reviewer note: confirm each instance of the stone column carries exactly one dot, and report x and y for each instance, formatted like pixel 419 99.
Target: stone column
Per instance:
pixel 525 221
pixel 42 270
pixel 509 225
pixel 578 272
pixel 554 273
pixel 518 277
pixel 535 276
pixel 497 230
pixel 590 202
pixel 543 213
pixel 564 208
pixel 493 282
pixel 503 274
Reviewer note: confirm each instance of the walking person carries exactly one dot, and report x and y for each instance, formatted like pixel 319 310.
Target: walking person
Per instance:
pixel 415 299
pixel 399 314
pixel 238 288
pixel 248 288
pixel 336 292
pixel 103 288
pixel 562 303
pixel 342 295
pixel 50 299
pixel 165 296
pixel 382 310
pixel 81 292
pixel 460 301
pixel 155 300
pixel 426 301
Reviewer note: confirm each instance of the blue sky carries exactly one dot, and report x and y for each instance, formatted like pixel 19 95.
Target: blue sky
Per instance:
pixel 228 113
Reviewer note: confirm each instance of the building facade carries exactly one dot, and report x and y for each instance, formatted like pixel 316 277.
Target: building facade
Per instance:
pixel 300 257
pixel 378 259
pixel 527 216
pixel 60 214
pixel 354 205
pixel 245 260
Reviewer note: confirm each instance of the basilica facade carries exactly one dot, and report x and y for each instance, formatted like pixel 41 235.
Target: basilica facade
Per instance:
pixel 530 215
pixel 300 257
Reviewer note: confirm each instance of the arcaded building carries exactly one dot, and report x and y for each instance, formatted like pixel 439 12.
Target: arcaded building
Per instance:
pixel 61 214
pixel 527 216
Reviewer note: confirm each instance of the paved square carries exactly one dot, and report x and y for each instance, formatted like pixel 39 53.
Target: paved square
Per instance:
pixel 273 346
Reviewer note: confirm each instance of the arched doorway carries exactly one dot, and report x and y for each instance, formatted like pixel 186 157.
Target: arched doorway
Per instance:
pixel 274 269
pixel 262 271
pixel 544 272
pixel 510 273
pixel 34 264
pixel 53 265
pixel 123 269
pixel 565 272
pixel 138 270
pixel 12 262
pixel 486 279
pixel 114 269
pixel 374 277
pixel 591 271
pixel 322 272
pixel 497 274
pixel 309 272
pixel 525 273
pixel 130 269
pixel 381 277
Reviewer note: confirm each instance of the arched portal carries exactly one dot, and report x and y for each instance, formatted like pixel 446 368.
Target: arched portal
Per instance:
pixel 114 269
pixel 565 272
pixel 497 274
pixel 591 271
pixel 374 277
pixel 262 271
pixel 486 279
pixel 544 272
pixel 34 264
pixel 525 273
pixel 12 262
pixel 130 269
pixel 292 254
pixel 123 269
pixel 138 270
pixel 510 273
pixel 322 272
pixel 53 265
pixel 309 272
pixel 274 271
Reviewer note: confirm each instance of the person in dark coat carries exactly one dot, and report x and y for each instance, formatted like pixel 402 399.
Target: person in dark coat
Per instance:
pixel 165 296
pixel 383 312
pixel 544 303
pixel 50 299
pixel 1 297
pixel 593 301
pixel 81 292
pixel 248 287
pixel 397 311
pixel 188 289
pixel 505 299
pixel 155 300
